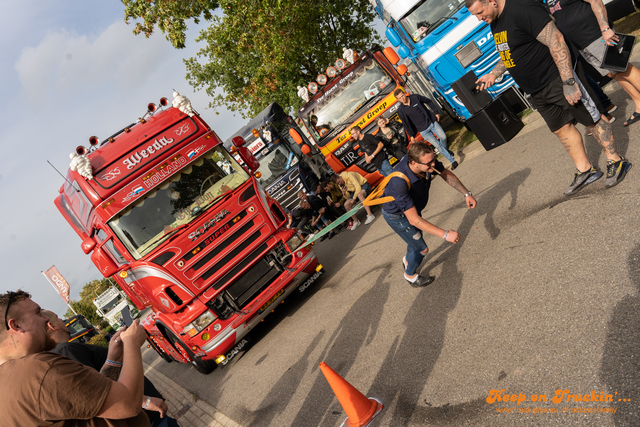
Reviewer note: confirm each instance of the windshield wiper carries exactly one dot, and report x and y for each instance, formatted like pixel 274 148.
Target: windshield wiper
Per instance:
pixel 171 233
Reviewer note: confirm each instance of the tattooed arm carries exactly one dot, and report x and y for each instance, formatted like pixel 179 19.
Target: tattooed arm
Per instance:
pixel 457 185
pixel 551 37
pixel 489 79
pixel 601 15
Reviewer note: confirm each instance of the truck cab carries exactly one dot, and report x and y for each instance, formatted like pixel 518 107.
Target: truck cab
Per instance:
pixel 166 211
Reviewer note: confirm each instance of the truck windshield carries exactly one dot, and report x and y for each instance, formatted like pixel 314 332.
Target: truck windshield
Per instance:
pixel 365 83
pixel 427 15
pixel 152 219
pixel 111 304
pixel 275 162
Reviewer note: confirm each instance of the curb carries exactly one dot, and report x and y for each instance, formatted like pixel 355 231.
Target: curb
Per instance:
pixel 186 407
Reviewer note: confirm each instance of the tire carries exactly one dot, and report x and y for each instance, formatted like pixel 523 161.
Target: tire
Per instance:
pixel 202 366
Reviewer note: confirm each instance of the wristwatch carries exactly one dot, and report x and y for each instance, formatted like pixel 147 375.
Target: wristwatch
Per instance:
pixel 569 82
pixel 148 401
pixel 468 194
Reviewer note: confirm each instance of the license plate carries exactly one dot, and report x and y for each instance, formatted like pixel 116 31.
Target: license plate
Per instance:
pixel 271 300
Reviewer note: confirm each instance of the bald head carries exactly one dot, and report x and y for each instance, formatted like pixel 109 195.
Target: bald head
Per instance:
pixel 58 331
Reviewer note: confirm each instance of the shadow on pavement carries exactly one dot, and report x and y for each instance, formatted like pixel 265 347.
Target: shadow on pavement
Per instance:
pixel 620 368
pixel 360 322
pixel 418 347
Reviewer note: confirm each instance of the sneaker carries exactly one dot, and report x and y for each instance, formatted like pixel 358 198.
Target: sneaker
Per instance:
pixel 616 171
pixel 611 108
pixel 369 219
pixel 355 225
pixel 420 281
pixel 454 165
pixel 582 179
pixel 350 224
pixel 404 263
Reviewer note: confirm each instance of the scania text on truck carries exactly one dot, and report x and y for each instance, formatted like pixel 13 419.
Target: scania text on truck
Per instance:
pixel 289 162
pixel 183 228
pixel 355 91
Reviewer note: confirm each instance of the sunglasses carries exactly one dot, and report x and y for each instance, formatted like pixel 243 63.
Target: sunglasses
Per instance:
pixel 6 313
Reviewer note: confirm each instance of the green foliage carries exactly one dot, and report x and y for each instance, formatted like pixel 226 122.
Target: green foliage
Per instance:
pixel 104 325
pixel 109 330
pixel 169 16
pixel 85 305
pixel 99 340
pixel 259 51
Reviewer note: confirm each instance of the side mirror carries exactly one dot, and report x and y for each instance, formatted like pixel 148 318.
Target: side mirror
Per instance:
pixel 103 262
pixel 402 69
pixel 87 245
pixel 391 55
pixel 248 158
pixel 305 149
pixel 238 141
pixel 296 136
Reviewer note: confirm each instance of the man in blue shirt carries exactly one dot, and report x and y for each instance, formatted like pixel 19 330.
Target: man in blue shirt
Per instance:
pixel 403 213
pixel 417 118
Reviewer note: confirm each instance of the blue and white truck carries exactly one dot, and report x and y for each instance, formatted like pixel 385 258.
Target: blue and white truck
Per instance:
pixel 445 42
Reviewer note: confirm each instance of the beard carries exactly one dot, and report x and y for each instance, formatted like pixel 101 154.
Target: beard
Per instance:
pixel 49 343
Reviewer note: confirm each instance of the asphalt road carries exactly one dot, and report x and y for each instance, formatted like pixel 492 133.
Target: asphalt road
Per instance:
pixel 541 294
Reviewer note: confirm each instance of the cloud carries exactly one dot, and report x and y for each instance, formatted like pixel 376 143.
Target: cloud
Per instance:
pixel 66 65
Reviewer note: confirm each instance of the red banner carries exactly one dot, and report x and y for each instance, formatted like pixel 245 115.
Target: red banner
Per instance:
pixel 58 282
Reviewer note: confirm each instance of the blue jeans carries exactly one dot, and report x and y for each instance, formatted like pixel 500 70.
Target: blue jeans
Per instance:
pixel 412 236
pixel 385 168
pixel 440 143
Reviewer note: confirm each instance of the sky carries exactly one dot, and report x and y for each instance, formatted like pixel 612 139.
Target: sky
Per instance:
pixel 71 69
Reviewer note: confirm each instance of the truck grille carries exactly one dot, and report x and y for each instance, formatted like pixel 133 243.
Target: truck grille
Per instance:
pixel 288 196
pixel 252 282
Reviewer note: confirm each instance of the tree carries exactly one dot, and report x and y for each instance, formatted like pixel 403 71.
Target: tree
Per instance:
pixel 259 51
pixel 169 16
pixel 85 305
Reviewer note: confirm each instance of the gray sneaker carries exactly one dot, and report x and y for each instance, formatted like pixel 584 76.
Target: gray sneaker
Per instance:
pixel 616 171
pixel 582 179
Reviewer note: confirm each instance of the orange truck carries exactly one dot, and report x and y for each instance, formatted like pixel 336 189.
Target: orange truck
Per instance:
pixel 353 92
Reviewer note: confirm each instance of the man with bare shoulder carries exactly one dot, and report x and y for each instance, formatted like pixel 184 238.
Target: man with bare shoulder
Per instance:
pixel 534 52
pixel 42 388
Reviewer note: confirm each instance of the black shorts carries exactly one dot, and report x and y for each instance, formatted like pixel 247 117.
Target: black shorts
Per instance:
pixel 556 110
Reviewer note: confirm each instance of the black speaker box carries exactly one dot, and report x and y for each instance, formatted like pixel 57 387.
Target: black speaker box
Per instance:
pixel 513 98
pixel 495 124
pixel 465 88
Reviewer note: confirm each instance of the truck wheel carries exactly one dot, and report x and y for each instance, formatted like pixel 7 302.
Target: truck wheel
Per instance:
pixel 202 366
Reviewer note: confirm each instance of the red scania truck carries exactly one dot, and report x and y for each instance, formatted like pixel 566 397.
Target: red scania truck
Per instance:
pixel 184 229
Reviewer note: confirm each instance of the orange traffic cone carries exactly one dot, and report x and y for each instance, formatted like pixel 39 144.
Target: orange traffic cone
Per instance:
pixel 360 410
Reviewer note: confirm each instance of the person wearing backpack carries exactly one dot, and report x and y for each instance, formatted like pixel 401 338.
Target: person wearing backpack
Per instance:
pixel 405 194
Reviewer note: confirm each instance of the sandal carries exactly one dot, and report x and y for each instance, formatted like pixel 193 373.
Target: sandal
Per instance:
pixel 634 118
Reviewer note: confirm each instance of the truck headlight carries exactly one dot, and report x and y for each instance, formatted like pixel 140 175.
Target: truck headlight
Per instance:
pixel 294 242
pixel 204 320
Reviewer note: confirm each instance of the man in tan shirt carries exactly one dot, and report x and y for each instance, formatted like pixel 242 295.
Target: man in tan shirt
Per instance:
pixel 354 185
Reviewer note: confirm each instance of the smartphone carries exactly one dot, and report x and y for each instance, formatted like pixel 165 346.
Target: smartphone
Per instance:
pixel 126 316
